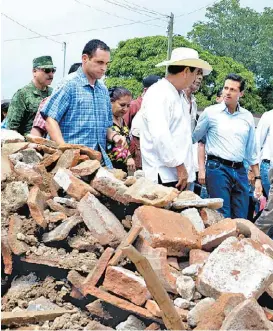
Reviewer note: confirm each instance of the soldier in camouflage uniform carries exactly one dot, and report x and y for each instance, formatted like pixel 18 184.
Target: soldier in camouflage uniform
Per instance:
pixel 25 102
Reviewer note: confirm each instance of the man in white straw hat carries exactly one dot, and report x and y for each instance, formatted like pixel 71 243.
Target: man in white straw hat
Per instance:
pixel 165 132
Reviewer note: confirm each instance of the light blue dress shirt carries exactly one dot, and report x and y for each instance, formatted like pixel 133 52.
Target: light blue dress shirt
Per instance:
pixel 229 136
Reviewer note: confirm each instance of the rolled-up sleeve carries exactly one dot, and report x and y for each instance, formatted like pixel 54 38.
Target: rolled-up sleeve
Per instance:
pixel 58 103
pixel 251 154
pixel 201 127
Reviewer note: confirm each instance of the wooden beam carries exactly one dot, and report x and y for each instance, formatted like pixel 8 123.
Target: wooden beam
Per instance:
pixel 170 316
pixel 128 240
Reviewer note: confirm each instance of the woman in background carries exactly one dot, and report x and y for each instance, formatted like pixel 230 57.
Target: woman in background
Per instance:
pixel 121 157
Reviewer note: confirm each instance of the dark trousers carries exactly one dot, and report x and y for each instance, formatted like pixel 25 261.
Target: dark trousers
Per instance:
pixel 170 184
pixel 229 184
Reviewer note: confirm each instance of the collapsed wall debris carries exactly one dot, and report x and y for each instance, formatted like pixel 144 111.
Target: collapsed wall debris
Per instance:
pixel 87 248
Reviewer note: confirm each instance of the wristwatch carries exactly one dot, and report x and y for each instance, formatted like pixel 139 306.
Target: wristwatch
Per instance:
pixel 258 177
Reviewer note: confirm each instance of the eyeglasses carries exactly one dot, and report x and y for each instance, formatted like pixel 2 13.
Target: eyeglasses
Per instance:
pixel 48 70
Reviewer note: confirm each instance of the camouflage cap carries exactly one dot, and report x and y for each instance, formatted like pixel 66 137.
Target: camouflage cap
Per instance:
pixel 43 62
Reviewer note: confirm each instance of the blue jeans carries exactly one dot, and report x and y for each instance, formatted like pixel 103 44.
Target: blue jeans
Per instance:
pixel 229 184
pixel 264 170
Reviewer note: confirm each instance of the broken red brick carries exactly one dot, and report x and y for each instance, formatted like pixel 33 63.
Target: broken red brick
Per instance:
pixel 86 168
pixel 75 187
pixel 68 159
pixel 83 158
pixel 164 228
pixel 36 203
pixel 41 141
pixel 28 173
pixel 126 284
pixel 51 158
pixel 214 235
pixel 18 247
pixel 95 275
pixel 197 256
pixel 93 155
pixel 173 262
pixel 153 308
pixel 213 317
pixel 45 149
pixel 55 217
pixel 158 260
pixel 76 294
pixel 60 208
pixel 210 216
pixel 96 309
pixel 6 253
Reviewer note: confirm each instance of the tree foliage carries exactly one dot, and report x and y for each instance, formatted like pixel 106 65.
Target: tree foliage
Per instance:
pixel 136 58
pixel 240 33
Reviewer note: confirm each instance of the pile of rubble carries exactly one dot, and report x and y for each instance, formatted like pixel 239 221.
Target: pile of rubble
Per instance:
pixel 88 248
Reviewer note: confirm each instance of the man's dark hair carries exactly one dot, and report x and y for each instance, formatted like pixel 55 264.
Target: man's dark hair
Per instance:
pixel 92 45
pixel 237 78
pixel 118 92
pixel 4 109
pixel 219 92
pixel 74 67
pixel 177 69
pixel 150 80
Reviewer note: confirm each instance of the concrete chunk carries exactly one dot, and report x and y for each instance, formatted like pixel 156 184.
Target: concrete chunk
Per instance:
pixel 149 193
pixel 248 315
pixel 14 196
pixel 236 267
pixel 103 225
pixel 86 168
pixel 196 220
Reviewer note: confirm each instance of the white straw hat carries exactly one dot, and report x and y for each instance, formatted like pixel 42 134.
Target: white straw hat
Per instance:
pixel 184 56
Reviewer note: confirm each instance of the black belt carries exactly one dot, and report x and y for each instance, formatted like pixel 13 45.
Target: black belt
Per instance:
pixel 235 165
pixel 266 161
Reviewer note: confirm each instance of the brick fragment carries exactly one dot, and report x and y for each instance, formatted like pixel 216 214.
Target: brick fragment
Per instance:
pixel 153 326
pixel 83 158
pixel 248 315
pixel 126 284
pixel 36 203
pixel 68 159
pixel 59 208
pixel 153 307
pixel 11 148
pixel 214 235
pixel 62 230
pixel 45 149
pixel 51 158
pixel 210 216
pixel 75 187
pixel 18 247
pixel 86 168
pixel 158 260
pixel 164 228
pixel 106 183
pixel 149 193
pixel 54 217
pixel 28 173
pixel 197 256
pixel 92 154
pixel 103 224
pixel 41 141
pixel 95 275
pixel 6 253
pixel 97 309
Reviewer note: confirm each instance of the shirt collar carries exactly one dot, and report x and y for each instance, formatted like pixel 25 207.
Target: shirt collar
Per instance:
pixel 37 91
pixel 224 108
pixel 84 81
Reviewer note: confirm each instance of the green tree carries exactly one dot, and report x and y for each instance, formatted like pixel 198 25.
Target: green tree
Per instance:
pixel 136 58
pixel 240 33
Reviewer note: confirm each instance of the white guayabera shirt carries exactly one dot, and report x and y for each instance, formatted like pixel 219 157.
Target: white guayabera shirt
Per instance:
pixel 264 136
pixel 165 133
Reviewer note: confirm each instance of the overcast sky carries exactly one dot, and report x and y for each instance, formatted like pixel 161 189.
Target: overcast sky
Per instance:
pixel 64 16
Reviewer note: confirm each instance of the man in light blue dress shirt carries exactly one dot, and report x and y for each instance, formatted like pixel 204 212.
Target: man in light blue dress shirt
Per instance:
pixel 230 138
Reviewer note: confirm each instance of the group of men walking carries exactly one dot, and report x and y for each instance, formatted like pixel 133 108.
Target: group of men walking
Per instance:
pixel 163 124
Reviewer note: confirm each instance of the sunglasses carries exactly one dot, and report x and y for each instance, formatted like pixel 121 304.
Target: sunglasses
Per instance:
pixel 48 70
